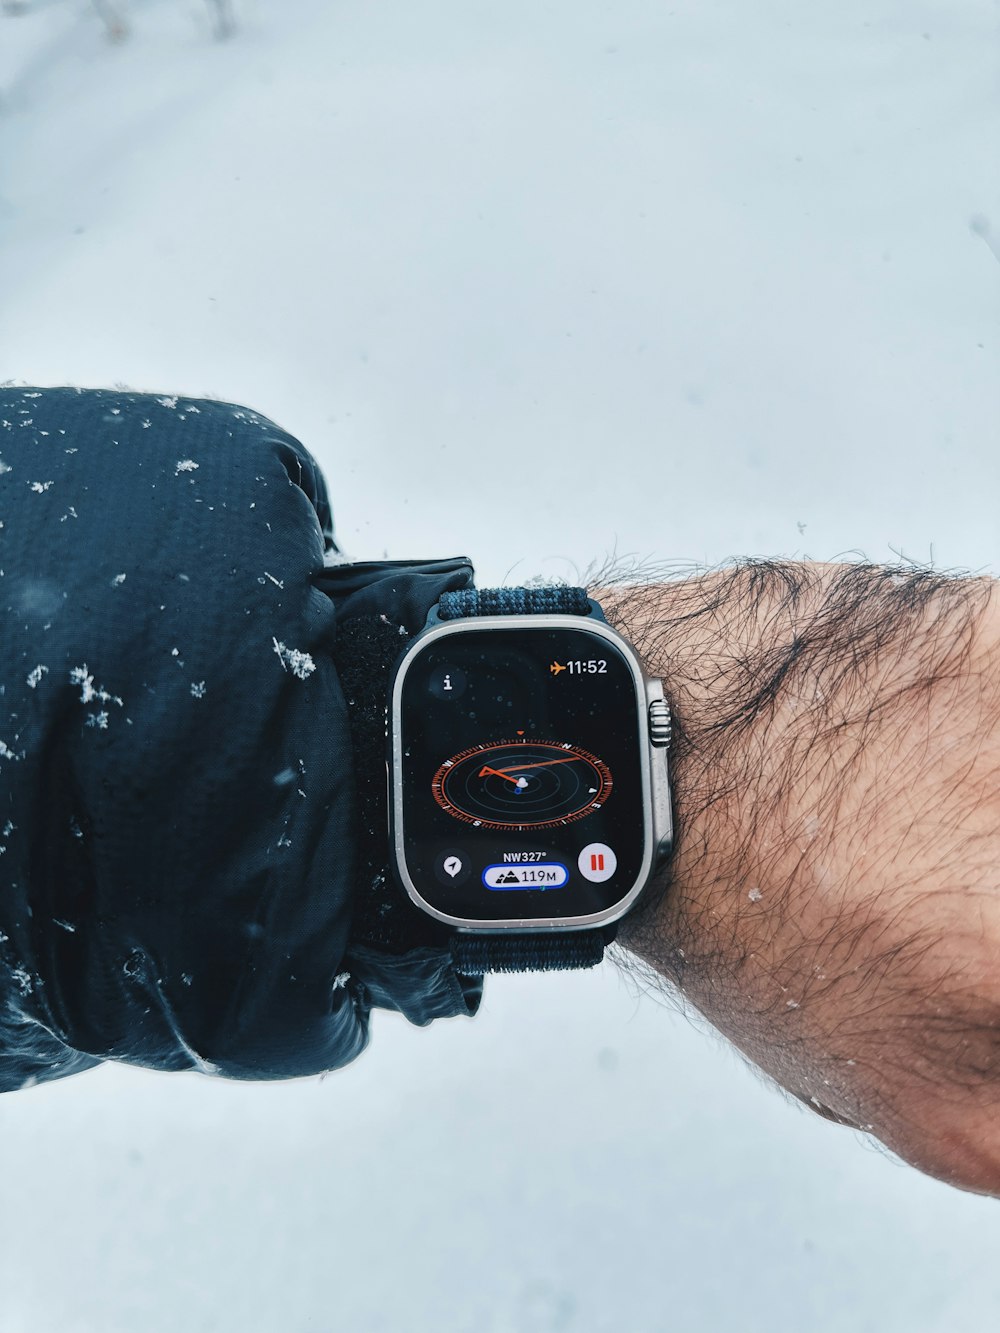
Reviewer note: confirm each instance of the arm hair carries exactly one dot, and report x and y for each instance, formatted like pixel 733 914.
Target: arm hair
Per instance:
pixel 832 902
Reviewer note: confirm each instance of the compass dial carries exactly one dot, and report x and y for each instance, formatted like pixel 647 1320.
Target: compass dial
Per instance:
pixel 518 784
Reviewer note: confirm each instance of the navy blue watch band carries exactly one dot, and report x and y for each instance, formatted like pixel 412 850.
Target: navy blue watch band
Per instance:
pixel 554 601
pixel 535 951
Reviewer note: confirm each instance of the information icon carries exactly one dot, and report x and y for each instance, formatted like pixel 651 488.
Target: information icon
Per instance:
pixel 447 682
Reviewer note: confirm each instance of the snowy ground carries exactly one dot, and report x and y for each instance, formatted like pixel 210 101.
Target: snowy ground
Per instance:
pixel 536 282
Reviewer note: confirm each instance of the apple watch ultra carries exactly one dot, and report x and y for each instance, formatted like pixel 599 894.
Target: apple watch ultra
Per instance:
pixel 529 797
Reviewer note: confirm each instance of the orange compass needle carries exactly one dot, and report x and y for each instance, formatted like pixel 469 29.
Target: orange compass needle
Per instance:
pixel 544 763
pixel 495 772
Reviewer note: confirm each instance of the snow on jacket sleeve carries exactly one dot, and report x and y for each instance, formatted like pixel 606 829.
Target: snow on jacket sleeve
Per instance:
pixel 177 802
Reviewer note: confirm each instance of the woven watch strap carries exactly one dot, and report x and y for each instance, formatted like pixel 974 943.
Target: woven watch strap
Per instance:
pixel 555 601
pixel 537 951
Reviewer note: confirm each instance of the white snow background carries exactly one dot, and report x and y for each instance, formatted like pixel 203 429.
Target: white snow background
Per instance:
pixel 536 281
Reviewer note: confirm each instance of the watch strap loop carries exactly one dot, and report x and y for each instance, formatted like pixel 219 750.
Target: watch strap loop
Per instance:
pixel 474 955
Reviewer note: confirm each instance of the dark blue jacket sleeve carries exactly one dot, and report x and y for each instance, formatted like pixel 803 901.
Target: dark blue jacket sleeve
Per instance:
pixel 177 800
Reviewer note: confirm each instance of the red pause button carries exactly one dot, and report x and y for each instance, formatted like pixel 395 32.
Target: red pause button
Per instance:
pixel 597 862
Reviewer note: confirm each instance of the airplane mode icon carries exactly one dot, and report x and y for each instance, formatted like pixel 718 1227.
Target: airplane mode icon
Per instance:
pixel 555 668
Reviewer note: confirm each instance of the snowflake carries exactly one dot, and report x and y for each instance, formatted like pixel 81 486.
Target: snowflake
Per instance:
pixel 132 965
pixel 298 663
pixel 99 720
pixel 40 487
pixel 186 465
pixel 82 677
pixel 198 689
pixel 118 580
pixel 24 980
pixel 167 402
pixel 34 677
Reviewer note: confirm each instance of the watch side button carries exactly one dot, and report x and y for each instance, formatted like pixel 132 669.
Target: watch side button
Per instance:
pixel 659 722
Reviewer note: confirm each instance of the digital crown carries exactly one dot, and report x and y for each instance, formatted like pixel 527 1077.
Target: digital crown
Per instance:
pixel 659 722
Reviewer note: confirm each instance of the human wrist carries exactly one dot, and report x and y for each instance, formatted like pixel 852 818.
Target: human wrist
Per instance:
pixel 836 747
pixel 697 636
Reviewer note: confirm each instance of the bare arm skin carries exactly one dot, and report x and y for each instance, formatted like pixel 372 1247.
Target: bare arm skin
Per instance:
pixel 834 897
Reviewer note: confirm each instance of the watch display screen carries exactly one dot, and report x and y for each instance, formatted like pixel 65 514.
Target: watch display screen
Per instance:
pixel 520 774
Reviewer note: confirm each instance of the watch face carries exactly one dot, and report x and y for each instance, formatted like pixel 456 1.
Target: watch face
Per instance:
pixel 518 785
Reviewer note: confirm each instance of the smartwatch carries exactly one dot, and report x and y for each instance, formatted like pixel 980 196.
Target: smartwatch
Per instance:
pixel 529 796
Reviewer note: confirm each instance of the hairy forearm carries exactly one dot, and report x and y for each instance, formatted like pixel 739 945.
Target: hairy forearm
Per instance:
pixel 833 903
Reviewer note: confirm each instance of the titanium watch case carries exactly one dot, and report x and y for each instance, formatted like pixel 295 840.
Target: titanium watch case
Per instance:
pixel 653 718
